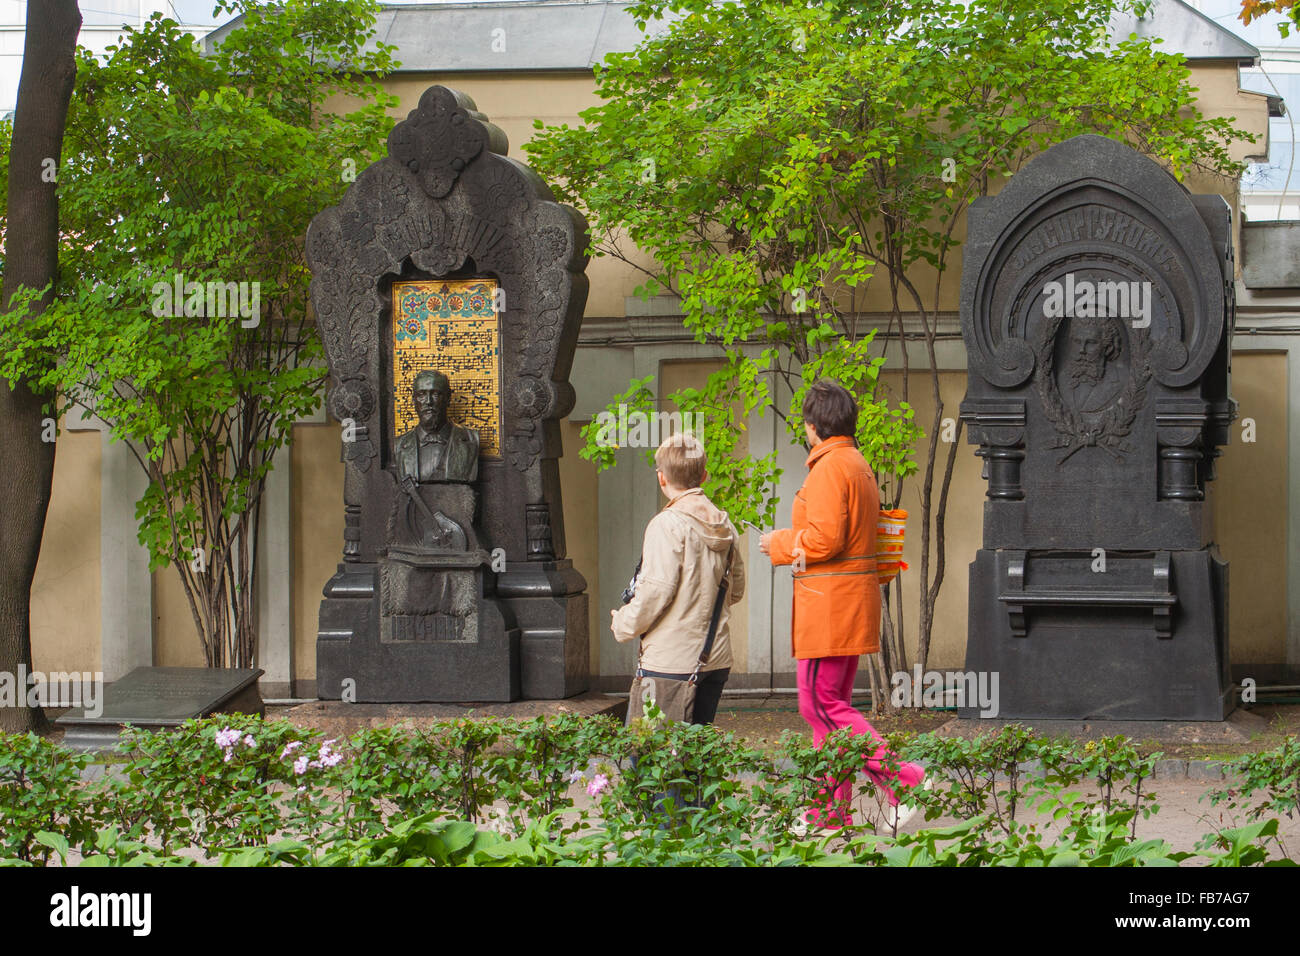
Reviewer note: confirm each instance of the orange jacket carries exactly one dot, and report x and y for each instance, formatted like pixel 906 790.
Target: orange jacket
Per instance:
pixel 836 597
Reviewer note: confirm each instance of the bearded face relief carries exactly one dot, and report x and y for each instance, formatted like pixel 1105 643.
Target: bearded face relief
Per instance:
pixel 1093 377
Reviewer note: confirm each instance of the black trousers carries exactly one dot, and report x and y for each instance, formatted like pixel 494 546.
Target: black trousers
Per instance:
pixel 708 693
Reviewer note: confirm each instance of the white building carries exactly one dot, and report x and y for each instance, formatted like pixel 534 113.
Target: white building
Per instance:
pixel 101 26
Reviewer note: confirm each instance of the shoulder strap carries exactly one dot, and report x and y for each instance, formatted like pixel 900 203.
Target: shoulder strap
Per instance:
pixel 723 584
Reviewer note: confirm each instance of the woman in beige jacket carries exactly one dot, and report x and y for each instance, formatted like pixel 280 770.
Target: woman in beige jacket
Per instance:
pixel 682 561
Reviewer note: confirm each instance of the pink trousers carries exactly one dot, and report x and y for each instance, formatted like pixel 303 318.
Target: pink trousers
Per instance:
pixel 825 701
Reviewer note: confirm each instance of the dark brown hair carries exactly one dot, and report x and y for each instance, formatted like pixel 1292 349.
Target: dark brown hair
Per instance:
pixel 830 409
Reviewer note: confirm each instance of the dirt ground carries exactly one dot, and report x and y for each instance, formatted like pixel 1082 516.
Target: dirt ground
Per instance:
pixel 765 718
pixel 1185 812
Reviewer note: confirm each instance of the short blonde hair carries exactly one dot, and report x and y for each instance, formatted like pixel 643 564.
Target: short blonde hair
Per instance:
pixel 681 459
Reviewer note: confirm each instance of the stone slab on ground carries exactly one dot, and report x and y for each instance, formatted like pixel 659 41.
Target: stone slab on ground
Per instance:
pixel 337 718
pixel 156 698
pixel 1238 728
pixel 1172 768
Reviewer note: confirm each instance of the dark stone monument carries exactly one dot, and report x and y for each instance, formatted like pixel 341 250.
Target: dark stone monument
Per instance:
pixel 157 698
pixel 449 288
pixel 1097 312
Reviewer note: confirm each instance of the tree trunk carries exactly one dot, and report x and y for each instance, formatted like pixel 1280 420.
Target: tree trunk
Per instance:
pixel 31 257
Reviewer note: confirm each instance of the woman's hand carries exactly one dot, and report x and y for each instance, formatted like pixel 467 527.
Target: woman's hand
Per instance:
pixel 764 541
pixel 613 616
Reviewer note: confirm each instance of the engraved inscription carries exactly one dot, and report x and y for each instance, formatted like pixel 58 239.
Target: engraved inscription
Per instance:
pixel 406 628
pixel 1095 223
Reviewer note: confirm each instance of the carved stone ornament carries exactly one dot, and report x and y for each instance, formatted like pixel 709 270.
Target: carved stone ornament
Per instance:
pixel 1108 428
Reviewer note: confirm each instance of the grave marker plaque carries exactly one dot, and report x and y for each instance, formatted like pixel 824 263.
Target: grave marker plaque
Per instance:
pixel 448 287
pixel 1097 312
pixel 157 698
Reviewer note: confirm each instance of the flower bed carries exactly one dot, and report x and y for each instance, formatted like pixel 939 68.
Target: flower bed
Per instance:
pixel 571 790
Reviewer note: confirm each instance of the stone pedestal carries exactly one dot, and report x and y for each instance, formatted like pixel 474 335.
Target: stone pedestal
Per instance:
pixel 373 645
pixel 1143 641
pixel 548 601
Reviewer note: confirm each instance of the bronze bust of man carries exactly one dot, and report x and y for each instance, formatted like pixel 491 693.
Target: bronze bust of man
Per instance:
pixel 436 449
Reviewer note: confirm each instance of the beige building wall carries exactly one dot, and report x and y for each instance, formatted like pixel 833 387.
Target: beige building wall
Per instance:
pixel 1250 497
pixel 1252 516
pixel 317 531
pixel 66 592
pixel 175 638
pixel 580 494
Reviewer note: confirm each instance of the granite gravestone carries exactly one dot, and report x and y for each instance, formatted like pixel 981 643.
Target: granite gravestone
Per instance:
pixel 449 287
pixel 1097 313
pixel 158 698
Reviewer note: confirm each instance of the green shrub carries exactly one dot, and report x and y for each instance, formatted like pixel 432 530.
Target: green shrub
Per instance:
pixel 41 794
pixel 571 791
pixel 1273 776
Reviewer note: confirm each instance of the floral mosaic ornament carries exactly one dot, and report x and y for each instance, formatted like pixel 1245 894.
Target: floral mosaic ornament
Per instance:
pixel 451 326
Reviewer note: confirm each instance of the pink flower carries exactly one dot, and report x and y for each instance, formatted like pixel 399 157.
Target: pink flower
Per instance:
pixel 226 758
pixel 227 738
pixel 599 784
pixel 249 741
pixel 300 765
pixel 290 748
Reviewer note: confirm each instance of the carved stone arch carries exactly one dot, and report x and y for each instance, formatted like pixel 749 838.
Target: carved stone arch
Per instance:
pixel 444 196
pixel 1164 222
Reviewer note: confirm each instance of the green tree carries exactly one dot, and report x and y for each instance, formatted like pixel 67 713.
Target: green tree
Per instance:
pixel 181 321
pixel 798 173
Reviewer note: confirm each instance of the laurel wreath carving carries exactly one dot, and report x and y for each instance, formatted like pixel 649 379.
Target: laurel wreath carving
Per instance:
pixel 1115 423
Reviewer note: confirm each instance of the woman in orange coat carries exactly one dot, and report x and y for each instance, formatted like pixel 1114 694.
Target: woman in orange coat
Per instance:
pixel 836 616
